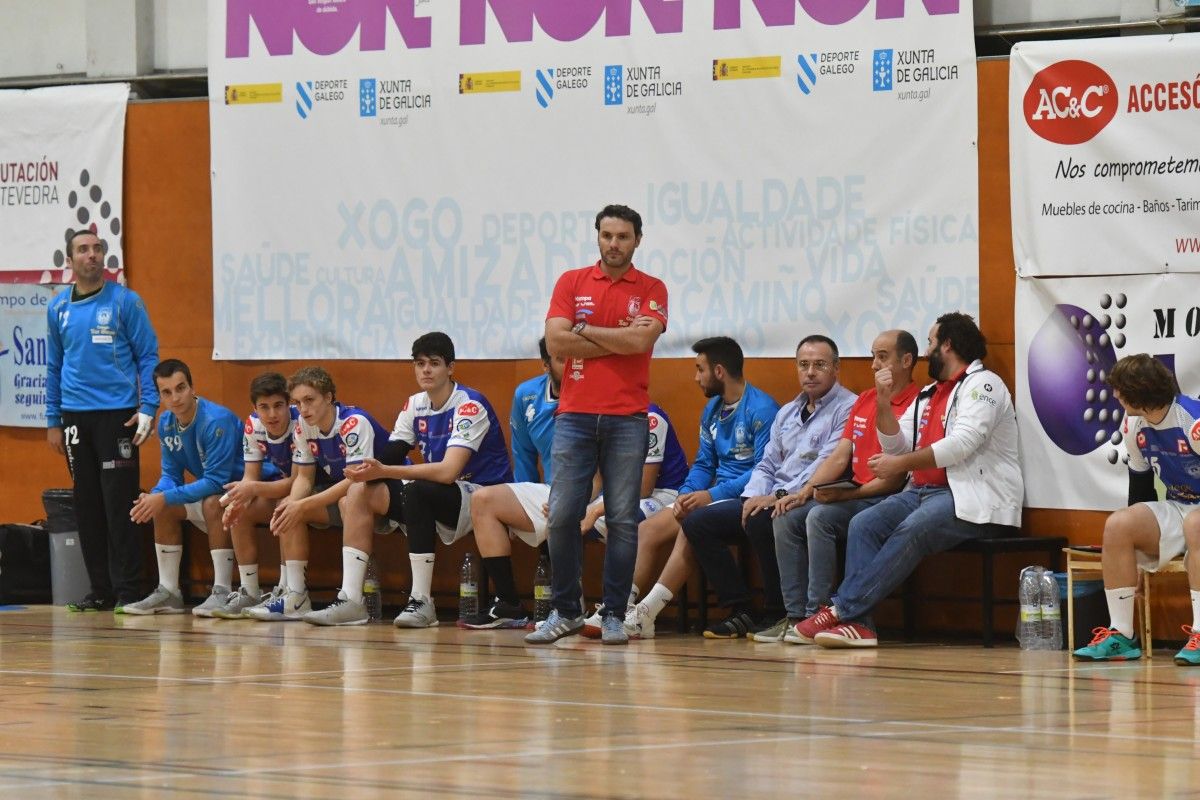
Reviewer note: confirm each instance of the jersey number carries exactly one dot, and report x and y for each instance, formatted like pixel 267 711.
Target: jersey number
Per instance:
pixel 173 443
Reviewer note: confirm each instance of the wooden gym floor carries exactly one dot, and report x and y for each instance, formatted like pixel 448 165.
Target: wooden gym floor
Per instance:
pixel 97 706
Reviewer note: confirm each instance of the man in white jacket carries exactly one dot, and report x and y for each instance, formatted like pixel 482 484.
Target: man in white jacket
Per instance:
pixel 958 442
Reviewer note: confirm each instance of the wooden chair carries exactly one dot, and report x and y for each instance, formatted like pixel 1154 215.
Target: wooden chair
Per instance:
pixel 1083 564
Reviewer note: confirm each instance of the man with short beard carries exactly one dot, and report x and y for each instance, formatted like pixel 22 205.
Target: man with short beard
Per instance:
pixel 958 441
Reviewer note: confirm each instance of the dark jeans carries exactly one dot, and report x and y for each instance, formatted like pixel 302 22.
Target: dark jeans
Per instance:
pixel 583 443
pixel 710 531
pixel 888 541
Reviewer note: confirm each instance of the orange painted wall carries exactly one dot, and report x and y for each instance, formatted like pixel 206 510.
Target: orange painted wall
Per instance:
pixel 169 253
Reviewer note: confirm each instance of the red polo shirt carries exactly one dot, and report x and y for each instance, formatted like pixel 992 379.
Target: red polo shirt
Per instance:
pixel 612 384
pixel 933 429
pixel 861 430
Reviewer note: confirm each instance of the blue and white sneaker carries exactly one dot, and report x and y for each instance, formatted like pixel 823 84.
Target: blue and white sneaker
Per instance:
pixel 285 608
pixel 1109 645
pixel 554 628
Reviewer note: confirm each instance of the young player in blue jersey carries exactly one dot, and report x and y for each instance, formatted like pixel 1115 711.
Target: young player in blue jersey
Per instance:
pixel 202 438
pixel 1162 435
pixel 462 448
pixel 100 406
pixel 329 438
pixel 734 430
pixel 517 509
pixel 267 446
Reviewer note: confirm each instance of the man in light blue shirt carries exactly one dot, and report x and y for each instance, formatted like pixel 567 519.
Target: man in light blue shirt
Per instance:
pixel 100 406
pixel 804 433
pixel 204 439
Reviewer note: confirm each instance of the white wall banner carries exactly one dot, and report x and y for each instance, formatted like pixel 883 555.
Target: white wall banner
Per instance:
pixel 382 168
pixel 1070 332
pixel 1104 148
pixel 61 169
pixel 23 354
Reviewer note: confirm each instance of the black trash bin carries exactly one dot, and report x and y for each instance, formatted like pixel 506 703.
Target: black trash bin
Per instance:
pixel 1091 608
pixel 68 573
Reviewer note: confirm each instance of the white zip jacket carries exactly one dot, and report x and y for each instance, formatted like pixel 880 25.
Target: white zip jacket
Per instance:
pixel 979 451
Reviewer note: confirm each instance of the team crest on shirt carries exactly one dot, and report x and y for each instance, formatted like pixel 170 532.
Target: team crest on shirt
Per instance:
pixel 635 305
pixel 658 308
pixel 104 315
pixel 351 439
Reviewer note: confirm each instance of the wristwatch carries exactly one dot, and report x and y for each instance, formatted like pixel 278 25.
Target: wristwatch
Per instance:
pixel 579 326
pixel 780 493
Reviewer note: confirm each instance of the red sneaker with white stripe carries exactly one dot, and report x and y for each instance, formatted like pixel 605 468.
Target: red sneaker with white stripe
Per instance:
pixel 847 634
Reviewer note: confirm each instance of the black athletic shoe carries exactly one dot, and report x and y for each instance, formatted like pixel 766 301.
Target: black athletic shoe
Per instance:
pixel 735 626
pixel 91 603
pixel 500 615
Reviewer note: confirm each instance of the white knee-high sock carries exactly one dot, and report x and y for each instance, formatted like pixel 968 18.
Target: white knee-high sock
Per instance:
pixel 249 576
pixel 422 574
pixel 354 569
pixel 1120 609
pixel 169 556
pixel 297 581
pixel 657 600
pixel 222 567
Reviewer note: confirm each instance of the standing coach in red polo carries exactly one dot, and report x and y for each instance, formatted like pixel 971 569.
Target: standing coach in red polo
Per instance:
pixel 604 320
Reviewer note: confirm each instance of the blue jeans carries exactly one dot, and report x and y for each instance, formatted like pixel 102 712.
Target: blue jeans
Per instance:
pixel 888 541
pixel 806 544
pixel 583 443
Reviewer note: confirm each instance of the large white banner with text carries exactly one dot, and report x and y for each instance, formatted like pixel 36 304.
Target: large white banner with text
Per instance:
pixel 23 354
pixel 61 170
pixel 1104 141
pixel 1069 334
pixel 382 168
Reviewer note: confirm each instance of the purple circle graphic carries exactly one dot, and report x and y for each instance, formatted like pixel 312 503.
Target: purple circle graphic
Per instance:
pixel 1060 358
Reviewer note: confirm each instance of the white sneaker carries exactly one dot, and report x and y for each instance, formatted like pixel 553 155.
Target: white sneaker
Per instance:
pixel 286 607
pixel 342 611
pixel 638 623
pixel 417 614
pixel 238 604
pixel 160 601
pixel 214 602
pixel 591 625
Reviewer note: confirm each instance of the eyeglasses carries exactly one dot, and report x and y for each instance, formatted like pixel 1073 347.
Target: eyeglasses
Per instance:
pixel 819 366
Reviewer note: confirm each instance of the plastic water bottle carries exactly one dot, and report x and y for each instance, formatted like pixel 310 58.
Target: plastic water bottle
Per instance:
pixel 1051 638
pixel 372 597
pixel 1029 621
pixel 468 588
pixel 541 589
